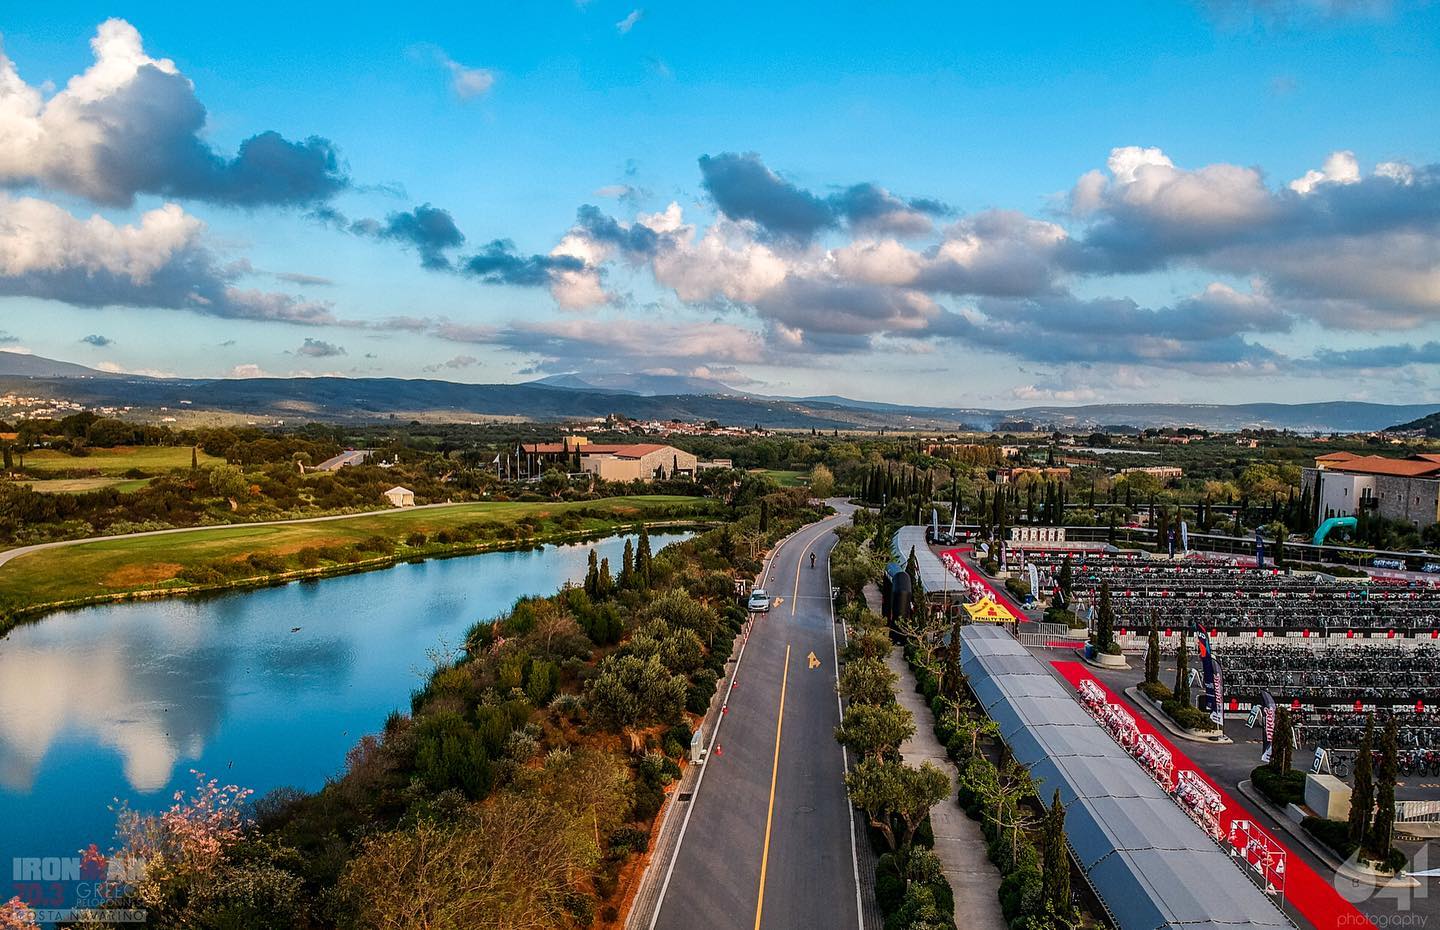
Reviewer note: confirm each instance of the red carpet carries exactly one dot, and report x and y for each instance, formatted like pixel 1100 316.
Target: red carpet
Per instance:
pixel 1306 890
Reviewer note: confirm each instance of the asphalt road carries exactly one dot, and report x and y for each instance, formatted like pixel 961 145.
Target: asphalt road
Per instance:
pixel 768 840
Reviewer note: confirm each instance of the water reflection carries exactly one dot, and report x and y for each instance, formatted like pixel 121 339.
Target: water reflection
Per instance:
pixel 121 701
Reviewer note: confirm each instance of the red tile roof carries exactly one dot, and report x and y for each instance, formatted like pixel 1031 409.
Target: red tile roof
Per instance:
pixel 1379 465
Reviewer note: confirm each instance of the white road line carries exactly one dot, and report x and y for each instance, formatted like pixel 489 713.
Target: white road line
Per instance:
pixel 695 792
pixel 844 753
pixel 709 751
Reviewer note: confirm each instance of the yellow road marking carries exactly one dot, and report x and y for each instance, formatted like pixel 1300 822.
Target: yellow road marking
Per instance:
pixel 774 771
pixel 814 662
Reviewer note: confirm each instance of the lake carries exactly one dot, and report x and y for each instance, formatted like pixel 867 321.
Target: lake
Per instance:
pixel 259 688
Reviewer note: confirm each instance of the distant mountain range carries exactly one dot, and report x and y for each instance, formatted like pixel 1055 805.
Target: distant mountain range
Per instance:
pixel 647 397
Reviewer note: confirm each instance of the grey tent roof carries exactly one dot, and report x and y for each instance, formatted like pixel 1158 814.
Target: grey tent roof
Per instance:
pixel 1150 864
pixel 932 571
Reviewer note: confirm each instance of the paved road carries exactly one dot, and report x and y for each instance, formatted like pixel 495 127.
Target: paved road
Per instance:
pixel 15 553
pixel 768 841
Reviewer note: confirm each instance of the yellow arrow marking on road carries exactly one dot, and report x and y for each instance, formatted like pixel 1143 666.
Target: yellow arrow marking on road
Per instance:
pixel 814 662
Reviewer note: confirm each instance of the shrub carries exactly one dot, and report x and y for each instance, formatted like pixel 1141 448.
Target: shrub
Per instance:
pixel 628 840
pixel 416 540
pixel 1018 587
pixel 1280 787
pixel 1191 718
pixel 889 884
pixel 1157 691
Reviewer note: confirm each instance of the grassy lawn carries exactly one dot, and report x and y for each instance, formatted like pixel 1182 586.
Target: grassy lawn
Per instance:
pixel 786 479
pixel 76 485
pixel 119 460
pixel 112 566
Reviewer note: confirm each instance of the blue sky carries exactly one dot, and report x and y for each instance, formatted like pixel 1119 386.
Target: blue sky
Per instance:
pixel 977 206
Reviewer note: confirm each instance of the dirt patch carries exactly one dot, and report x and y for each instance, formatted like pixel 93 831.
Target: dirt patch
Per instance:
pixel 133 576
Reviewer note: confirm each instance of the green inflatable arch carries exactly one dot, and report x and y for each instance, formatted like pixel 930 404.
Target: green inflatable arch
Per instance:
pixel 1328 525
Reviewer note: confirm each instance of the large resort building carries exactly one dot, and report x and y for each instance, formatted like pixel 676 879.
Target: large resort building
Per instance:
pixel 641 461
pixel 1345 483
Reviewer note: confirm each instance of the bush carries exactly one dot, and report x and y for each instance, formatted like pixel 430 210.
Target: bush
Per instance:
pixel 1280 787
pixel 1157 692
pixel 1191 718
pixel 1021 892
pixel 627 840
pixel 889 884
pixel 1018 587
pixel 991 567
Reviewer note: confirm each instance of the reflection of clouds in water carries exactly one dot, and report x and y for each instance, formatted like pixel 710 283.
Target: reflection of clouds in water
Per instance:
pixel 118 688
pixel 165 681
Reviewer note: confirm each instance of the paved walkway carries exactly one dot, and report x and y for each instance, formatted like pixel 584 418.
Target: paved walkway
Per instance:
pixel 959 842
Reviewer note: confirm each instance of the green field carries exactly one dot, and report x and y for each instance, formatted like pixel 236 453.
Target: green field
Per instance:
pixel 786 479
pixel 117 461
pixel 117 566
pixel 76 485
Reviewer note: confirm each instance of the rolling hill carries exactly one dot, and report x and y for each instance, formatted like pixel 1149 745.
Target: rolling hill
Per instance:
pixel 649 397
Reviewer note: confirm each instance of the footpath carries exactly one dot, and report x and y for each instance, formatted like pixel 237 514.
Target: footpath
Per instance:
pixel 959 842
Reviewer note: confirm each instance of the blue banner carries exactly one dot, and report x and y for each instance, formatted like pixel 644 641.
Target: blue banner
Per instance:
pixel 1213 699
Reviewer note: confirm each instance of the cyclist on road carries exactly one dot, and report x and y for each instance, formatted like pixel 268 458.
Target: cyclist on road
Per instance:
pixel 812 560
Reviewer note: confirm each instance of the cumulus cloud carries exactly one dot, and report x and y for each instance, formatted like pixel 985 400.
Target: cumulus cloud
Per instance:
pixel 319 348
pixel 431 231
pixel 160 261
pixel 744 188
pixel 97 340
pixel 132 124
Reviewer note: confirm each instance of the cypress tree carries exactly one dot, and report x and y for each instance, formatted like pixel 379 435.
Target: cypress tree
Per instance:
pixel 1066 580
pixel 1282 751
pixel 1382 831
pixel 627 566
pixel 1104 621
pixel 1152 656
pixel 194 458
pixel 642 560
pixel 592 577
pixel 605 585
pixel 1362 796
pixel 1182 672
pixel 1057 860
pixel 764 516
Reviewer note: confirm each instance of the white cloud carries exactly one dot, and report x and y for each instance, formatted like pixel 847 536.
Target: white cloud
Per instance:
pixel 131 124
pixel 1339 168
pixel 630 21
pixel 248 370
pixel 468 83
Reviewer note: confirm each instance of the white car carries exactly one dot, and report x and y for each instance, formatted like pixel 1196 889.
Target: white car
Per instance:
pixel 759 601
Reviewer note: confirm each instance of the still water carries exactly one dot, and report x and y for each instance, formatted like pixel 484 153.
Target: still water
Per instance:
pixel 260 688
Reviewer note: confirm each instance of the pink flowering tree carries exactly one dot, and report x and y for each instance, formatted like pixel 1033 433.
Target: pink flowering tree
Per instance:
pixel 183 845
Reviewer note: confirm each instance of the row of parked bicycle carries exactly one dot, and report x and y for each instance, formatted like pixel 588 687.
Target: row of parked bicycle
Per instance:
pixel 1378 673
pixel 1239 598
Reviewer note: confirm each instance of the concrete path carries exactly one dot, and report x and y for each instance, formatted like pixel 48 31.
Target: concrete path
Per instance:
pixel 959 842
